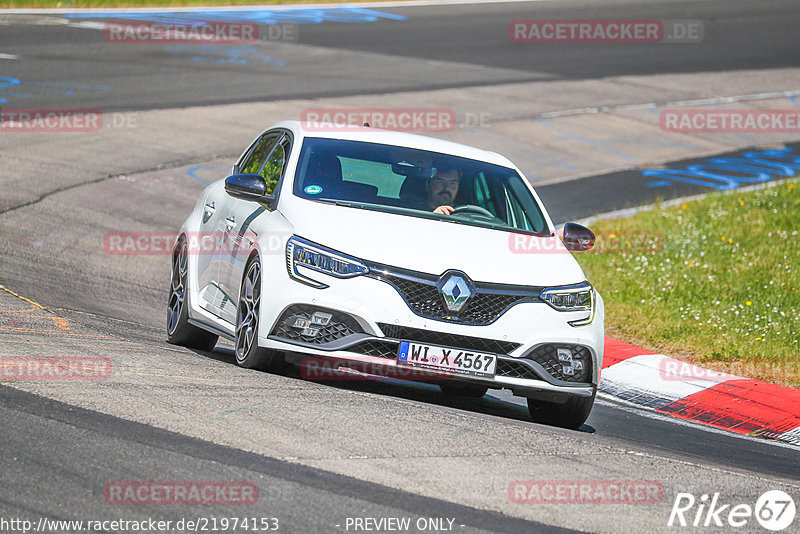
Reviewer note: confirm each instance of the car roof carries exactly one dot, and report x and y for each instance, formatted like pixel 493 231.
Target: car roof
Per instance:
pixel 393 138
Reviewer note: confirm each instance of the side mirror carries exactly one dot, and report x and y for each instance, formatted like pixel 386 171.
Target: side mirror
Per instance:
pixel 577 238
pixel 246 187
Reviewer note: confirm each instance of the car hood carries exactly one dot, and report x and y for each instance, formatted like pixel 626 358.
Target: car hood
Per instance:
pixel 433 247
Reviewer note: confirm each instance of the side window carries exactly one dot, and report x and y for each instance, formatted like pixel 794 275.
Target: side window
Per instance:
pixel 253 163
pixel 273 167
pixel 525 216
pixel 268 159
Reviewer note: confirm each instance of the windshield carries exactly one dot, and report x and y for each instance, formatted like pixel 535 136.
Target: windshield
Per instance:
pixel 417 183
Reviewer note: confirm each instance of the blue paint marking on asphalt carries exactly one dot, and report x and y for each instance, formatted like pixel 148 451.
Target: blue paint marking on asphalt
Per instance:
pixel 68 89
pixel 793 100
pixel 256 15
pixel 192 171
pixel 730 173
pixel 5 82
pixel 232 54
pixel 659 183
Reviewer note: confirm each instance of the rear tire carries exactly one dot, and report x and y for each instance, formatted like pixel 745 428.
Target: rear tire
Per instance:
pixel 472 391
pixel 572 414
pixel 248 354
pixel 179 331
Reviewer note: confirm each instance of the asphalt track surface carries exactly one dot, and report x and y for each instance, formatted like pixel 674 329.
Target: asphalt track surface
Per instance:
pixel 578 199
pixel 433 48
pixel 321 452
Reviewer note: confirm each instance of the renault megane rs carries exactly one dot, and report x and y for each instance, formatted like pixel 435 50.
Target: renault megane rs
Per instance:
pixel 359 245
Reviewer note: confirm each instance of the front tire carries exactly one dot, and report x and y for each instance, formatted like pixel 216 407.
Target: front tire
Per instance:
pixel 572 414
pixel 248 354
pixel 179 331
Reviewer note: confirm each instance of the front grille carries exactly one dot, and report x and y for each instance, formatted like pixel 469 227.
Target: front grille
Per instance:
pixel 547 356
pixel 419 291
pixel 424 300
pixel 377 348
pixel 340 325
pixel 514 369
pixel 419 335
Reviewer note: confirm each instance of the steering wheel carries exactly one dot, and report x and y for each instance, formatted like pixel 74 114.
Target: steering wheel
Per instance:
pixel 471 208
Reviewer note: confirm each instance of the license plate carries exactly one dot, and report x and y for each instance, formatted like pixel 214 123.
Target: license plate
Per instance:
pixel 456 361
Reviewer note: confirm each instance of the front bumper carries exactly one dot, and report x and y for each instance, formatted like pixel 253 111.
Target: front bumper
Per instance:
pixel 369 318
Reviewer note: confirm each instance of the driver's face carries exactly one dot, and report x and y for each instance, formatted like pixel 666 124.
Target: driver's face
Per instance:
pixel 442 188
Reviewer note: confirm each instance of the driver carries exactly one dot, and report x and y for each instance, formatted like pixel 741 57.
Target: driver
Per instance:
pixel 441 190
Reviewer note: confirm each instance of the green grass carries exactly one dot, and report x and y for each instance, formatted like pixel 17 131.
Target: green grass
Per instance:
pixel 7 4
pixel 713 281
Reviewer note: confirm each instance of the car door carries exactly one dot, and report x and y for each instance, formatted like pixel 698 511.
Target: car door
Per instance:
pixel 206 246
pixel 268 160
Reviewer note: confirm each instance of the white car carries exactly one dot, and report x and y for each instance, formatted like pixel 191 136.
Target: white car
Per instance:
pixel 395 251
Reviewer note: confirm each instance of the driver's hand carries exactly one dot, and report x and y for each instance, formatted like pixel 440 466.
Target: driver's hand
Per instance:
pixel 444 210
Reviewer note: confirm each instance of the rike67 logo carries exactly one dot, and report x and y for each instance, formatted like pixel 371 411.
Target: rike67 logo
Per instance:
pixel 774 510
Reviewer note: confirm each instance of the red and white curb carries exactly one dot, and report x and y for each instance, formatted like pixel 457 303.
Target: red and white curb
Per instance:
pixel 684 391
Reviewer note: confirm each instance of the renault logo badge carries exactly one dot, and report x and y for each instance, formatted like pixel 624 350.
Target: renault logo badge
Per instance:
pixel 456 289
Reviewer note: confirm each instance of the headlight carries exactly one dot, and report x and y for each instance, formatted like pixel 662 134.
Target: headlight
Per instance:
pixel 301 253
pixel 578 297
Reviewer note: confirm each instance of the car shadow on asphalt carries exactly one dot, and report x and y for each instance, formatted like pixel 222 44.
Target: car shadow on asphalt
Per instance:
pixel 497 403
